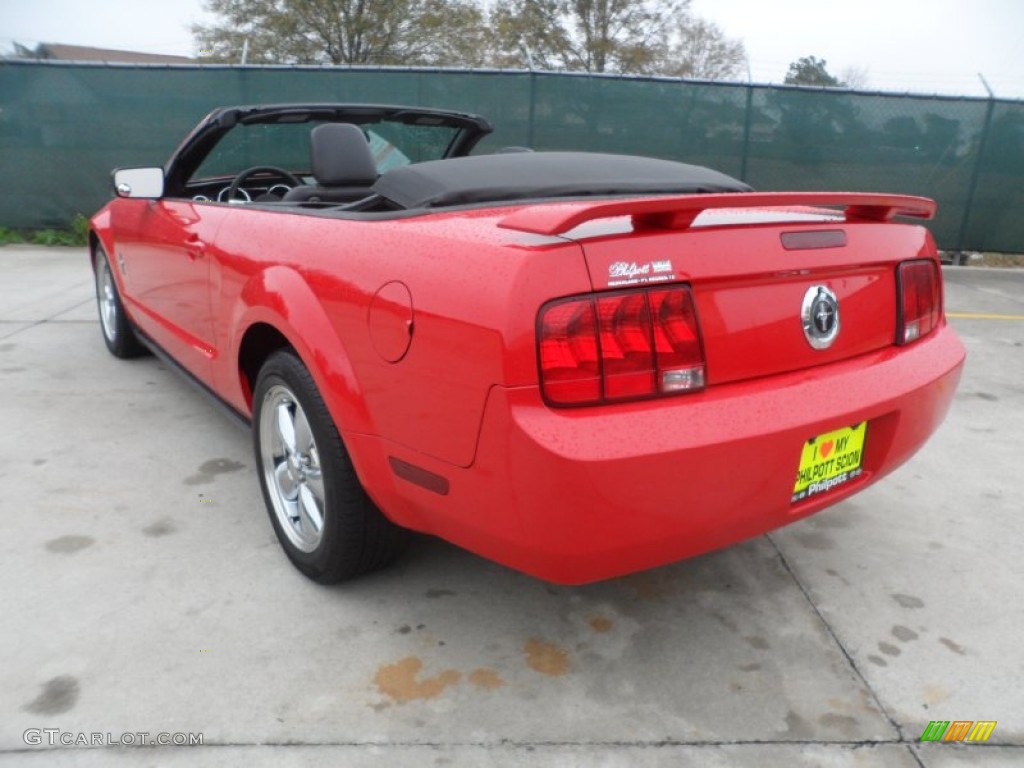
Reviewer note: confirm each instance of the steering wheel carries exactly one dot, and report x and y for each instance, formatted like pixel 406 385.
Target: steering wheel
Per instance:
pixel 243 177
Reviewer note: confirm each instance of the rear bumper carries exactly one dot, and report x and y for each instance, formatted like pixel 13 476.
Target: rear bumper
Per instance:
pixel 573 496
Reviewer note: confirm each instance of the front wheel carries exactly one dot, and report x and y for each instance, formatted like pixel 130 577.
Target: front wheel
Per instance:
pixel 326 523
pixel 118 334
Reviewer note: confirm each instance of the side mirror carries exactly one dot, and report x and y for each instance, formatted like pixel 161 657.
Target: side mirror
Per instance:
pixel 139 182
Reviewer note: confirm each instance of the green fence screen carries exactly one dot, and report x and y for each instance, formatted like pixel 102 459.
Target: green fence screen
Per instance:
pixel 63 127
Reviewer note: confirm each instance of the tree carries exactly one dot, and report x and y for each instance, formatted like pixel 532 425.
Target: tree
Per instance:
pixel 585 35
pixel 814 121
pixel 529 34
pixel 624 36
pixel 703 51
pixel 620 36
pixel 811 71
pixel 855 78
pixel 431 32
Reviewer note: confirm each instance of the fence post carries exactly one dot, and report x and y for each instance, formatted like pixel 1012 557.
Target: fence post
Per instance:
pixel 973 184
pixel 533 108
pixel 746 133
pixel 243 85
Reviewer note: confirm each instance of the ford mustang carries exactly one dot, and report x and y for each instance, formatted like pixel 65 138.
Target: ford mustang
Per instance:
pixel 576 364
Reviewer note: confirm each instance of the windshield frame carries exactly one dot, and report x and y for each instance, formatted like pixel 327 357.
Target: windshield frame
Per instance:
pixel 468 129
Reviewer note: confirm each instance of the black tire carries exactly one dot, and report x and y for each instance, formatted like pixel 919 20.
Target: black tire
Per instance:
pixel 305 473
pixel 118 334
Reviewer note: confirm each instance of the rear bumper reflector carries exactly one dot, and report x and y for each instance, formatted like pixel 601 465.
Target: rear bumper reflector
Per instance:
pixel 419 476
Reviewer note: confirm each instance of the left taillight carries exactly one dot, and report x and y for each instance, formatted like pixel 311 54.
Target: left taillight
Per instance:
pixel 920 300
pixel 612 347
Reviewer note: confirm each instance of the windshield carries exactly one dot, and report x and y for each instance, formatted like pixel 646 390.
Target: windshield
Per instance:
pixel 286 145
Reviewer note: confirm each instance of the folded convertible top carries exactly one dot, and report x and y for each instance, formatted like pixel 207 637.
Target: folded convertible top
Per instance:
pixel 539 175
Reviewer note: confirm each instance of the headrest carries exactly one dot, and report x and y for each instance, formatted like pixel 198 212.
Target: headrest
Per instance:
pixel 340 155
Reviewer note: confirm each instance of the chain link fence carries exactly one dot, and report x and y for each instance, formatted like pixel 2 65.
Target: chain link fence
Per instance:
pixel 64 126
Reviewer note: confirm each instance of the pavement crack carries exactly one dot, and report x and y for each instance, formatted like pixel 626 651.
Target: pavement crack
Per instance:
pixel 839 643
pixel 914 755
pixel 28 325
pixel 64 311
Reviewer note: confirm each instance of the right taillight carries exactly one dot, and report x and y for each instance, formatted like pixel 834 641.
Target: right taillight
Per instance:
pixel 628 345
pixel 920 302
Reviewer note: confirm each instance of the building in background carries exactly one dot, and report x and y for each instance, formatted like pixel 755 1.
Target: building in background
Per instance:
pixel 62 52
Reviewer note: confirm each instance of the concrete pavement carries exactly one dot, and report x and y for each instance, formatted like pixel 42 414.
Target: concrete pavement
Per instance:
pixel 142 590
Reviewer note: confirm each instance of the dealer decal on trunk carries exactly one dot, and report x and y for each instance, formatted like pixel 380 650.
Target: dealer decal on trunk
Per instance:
pixel 631 273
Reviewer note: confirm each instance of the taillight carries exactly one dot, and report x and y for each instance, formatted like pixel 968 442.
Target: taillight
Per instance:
pixel 920 305
pixel 611 347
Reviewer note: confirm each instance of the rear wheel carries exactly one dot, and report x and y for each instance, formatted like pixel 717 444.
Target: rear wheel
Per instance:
pixel 326 523
pixel 118 333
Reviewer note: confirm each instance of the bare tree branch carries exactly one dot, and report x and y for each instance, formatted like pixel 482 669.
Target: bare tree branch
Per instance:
pixel 449 32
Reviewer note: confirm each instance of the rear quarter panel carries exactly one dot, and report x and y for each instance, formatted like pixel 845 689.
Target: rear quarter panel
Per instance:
pixel 475 292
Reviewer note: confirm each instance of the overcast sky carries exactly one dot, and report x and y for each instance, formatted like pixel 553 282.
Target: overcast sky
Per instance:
pixel 921 46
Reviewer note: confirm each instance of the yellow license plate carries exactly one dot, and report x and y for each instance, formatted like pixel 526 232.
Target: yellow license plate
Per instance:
pixel 829 460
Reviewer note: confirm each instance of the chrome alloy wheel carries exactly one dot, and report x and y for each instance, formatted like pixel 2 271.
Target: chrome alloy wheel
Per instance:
pixel 106 295
pixel 291 468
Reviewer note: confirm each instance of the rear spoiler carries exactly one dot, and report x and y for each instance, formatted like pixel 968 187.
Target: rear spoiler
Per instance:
pixel 679 212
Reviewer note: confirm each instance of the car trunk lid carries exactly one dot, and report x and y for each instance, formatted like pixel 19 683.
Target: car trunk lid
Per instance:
pixel 761 276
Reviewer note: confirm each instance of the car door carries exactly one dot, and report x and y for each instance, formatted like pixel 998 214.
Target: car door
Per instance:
pixel 162 255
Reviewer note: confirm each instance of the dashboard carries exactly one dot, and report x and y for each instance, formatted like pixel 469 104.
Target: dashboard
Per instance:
pixel 216 190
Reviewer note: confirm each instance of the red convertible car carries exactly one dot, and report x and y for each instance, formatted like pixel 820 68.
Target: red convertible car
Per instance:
pixel 579 365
